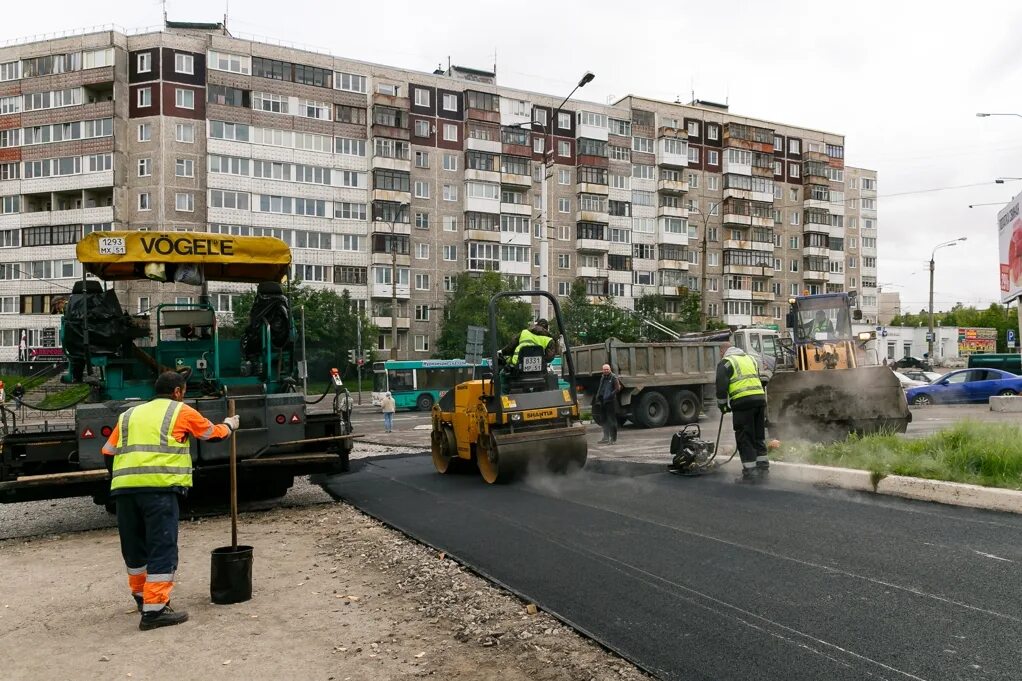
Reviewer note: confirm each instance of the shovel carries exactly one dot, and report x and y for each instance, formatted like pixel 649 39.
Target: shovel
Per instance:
pixel 231 566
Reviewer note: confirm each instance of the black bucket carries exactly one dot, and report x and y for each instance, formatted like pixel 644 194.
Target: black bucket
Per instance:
pixel 230 579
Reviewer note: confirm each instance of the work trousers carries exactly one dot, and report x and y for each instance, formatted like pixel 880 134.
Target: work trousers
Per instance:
pixel 609 409
pixel 388 421
pixel 749 422
pixel 147 523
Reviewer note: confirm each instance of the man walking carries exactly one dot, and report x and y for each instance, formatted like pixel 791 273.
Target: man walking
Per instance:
pixel 148 455
pixel 389 406
pixel 19 396
pixel 606 395
pixel 740 391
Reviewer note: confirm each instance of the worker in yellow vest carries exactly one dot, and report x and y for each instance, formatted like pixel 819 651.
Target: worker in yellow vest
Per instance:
pixel 536 336
pixel 150 463
pixel 740 392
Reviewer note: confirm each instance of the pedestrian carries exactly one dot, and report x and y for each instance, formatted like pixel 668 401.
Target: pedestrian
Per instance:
pixel 389 406
pixel 606 397
pixel 3 393
pixel 740 391
pixel 23 348
pixel 148 456
pixel 19 395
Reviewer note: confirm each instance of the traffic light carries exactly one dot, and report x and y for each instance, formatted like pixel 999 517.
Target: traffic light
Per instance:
pixel 351 356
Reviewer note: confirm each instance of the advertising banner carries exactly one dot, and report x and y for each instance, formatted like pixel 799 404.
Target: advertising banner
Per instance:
pixel 1009 230
pixel 972 340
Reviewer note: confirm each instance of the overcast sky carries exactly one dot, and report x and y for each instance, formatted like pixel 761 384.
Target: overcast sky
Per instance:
pixel 901 80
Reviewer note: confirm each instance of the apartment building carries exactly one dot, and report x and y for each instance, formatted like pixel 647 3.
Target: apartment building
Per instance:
pixel 388 183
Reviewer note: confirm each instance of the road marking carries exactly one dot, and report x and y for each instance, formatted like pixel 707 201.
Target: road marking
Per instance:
pixel 990 555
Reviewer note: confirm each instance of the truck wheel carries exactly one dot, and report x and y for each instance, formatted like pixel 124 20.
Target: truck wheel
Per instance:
pixel 652 410
pixel 424 402
pixel 685 407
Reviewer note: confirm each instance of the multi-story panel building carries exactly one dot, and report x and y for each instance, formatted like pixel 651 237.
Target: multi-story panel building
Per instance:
pixel 388 183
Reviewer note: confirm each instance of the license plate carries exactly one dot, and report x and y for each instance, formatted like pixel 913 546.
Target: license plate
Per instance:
pixel 531 364
pixel 111 246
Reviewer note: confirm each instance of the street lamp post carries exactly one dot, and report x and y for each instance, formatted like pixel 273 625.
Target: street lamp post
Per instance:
pixel 548 157
pixel 393 280
pixel 702 262
pixel 953 242
pixel 987 115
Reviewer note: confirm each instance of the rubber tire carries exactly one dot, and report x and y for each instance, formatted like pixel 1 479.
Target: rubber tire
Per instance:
pixel 424 402
pixel 685 407
pixel 652 410
pixel 1007 393
pixel 923 401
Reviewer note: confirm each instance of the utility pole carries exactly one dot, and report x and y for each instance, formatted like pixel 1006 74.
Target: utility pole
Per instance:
pixel 361 352
pixel 702 262
pixel 393 279
pixel 953 242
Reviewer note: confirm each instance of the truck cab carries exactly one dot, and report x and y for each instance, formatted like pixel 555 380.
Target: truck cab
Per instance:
pixel 763 344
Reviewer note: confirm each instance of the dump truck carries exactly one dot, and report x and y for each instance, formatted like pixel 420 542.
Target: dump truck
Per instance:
pixel 661 383
pixel 515 419
pixel 119 357
pixel 827 384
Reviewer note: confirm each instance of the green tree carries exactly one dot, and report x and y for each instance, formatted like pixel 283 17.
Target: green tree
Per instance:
pixel 1000 317
pixel 331 327
pixel 587 322
pixel 686 319
pixel 469 306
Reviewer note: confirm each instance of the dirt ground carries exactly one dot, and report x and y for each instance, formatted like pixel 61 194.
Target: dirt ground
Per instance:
pixel 337 597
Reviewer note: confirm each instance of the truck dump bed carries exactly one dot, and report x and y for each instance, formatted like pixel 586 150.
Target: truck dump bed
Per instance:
pixel 650 364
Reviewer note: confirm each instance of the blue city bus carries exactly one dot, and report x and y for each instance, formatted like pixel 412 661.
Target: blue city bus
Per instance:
pixel 419 384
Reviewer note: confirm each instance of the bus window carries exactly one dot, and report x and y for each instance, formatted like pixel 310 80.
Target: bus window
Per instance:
pixel 380 382
pixel 401 379
pixel 436 379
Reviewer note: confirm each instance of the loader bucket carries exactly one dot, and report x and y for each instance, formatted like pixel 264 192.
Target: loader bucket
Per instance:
pixel 831 404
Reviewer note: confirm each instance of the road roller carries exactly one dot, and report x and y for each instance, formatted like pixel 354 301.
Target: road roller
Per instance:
pixel 514 420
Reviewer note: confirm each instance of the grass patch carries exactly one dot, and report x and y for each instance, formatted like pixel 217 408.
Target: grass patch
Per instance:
pixel 988 454
pixel 11 380
pixel 62 399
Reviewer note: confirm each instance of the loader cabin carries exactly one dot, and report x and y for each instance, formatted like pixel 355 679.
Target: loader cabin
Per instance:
pixel 105 344
pixel 823 317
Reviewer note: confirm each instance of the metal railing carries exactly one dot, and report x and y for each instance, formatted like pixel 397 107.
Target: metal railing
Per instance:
pixel 70 33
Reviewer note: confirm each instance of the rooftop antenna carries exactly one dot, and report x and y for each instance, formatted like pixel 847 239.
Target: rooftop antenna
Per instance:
pixel 448 63
pixel 227 11
pixel 164 3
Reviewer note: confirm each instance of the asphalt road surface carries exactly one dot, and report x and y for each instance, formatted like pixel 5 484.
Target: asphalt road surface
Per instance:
pixel 706 579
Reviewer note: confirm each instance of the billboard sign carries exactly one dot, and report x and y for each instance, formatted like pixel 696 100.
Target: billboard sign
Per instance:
pixel 1009 231
pixel 972 340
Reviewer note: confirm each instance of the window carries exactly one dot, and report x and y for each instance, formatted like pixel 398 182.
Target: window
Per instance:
pixel 421 189
pixel 422 97
pixel 450 223
pixel 421 159
pixel 793 265
pixel 184 202
pixel 184 99
pixel 563 148
pixel 349 82
pixel 145 167
pixel 145 97
pixel 184 167
pixel 483 256
pixel 795 217
pixel 712 157
pixel 713 132
pixel 450 162
pixel 868 204
pixel 145 201
pixel 421 128
pixel 793 170
pixel 421 343
pixel 184 63
pixel 349 211
pixel 145 132
pixel 450 253
pixel 794 146
pixel 642 172
pixel 693 128
pixel 693 154
pixel 223 61
pixel 564 205
pixel 451 192
pixel 349 147
pixel 144 62
pixel 642 144
pixel 226 199
pixel 450 132
pixel 421 253
pixel 450 102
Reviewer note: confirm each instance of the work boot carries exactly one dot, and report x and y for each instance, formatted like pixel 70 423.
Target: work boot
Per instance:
pixel 763 470
pixel 748 477
pixel 603 441
pixel 162 618
pixel 138 601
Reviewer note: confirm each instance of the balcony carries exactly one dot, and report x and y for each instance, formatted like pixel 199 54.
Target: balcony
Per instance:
pixel 737 319
pixel 592 273
pixel 761 270
pixel 489 146
pixel 476 175
pixel 516 208
pixel 380 99
pixel 479 204
pixel 836 278
pixel 384 227
pixel 389 163
pixel 675 159
pixel 593 188
pixel 516 179
pixel 592 245
pixel 671 291
pixel 742 245
pixel 737 294
pixel 764 296
pixel 675 238
pixel 384 322
pixel 377 290
pixel 821 251
pixel 392 196
pixel 592 216
pixel 394 132
pixel 482 235
pixel 669 264
pixel 672 186
pixel 383 259
pixel 815 275
pixel 66 217
pixel 671 212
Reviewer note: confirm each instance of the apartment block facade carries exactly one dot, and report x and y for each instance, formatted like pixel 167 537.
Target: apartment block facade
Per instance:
pixel 388 183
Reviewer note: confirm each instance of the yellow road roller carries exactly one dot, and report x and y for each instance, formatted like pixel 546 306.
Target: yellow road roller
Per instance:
pixel 517 418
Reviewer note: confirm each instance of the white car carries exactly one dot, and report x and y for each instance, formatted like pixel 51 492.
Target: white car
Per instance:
pixel 907 382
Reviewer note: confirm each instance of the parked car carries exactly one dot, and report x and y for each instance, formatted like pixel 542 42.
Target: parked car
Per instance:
pixel 912 363
pixel 921 376
pixel 966 386
pixel 907 382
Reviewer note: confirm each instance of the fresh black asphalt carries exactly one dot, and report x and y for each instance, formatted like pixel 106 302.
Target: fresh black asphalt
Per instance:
pixel 705 579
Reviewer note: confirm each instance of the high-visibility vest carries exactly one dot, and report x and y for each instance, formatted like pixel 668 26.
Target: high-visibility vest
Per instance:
pixel 528 339
pixel 744 378
pixel 146 453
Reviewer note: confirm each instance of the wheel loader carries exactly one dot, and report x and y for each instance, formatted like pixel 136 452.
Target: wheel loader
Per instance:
pixel 827 384
pixel 516 419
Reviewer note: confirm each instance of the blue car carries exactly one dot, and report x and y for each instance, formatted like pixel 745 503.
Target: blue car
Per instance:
pixel 966 386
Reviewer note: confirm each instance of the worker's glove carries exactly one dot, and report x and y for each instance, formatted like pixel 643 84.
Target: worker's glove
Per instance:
pixel 232 422
pixel 723 406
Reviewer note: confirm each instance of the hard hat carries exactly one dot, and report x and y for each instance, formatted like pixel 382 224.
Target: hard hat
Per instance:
pixel 544 323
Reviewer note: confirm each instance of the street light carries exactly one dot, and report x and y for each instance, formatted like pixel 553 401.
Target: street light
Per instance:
pixel 702 262
pixel 987 115
pixel 548 156
pixel 953 242
pixel 393 279
pixel 1002 180
pixel 992 203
